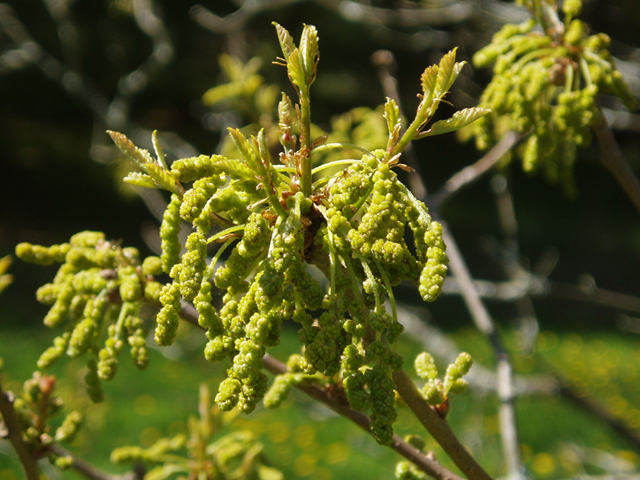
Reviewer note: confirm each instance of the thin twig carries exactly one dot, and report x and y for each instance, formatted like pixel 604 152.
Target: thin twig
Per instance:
pixel 484 323
pixel 13 432
pixel 401 17
pixel 471 173
pixel 88 470
pixel 611 157
pixel 438 427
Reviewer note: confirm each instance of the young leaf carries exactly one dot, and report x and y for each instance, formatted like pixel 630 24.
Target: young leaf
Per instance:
pixel 309 50
pixel 286 41
pixel 126 146
pixel 428 79
pixel 448 71
pixel 391 114
pixel 458 120
pixel 245 149
pixel 236 168
pixel 163 179
pixel 139 180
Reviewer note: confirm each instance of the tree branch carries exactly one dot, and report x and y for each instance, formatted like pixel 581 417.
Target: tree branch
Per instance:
pixel 611 157
pixel 437 427
pixel 13 432
pixel 418 458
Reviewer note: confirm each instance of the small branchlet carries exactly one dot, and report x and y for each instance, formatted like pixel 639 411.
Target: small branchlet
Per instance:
pixel 34 408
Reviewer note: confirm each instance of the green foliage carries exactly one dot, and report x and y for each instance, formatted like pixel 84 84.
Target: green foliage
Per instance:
pixel 545 85
pixel 235 456
pixel 99 289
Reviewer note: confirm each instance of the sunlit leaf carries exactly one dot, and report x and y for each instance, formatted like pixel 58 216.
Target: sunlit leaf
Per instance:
pixel 458 120
pixel 139 180
pixel 286 41
pixel 126 146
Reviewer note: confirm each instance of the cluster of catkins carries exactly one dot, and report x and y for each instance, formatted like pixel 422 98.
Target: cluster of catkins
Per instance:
pixel 34 407
pixel 100 287
pixel 545 85
pixel 353 231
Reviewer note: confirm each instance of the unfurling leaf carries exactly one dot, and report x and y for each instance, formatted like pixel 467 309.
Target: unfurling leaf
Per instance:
pixel 126 146
pixel 286 41
pixel 458 120
pixel 139 180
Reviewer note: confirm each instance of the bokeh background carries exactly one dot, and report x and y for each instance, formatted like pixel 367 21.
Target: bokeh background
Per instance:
pixel 69 70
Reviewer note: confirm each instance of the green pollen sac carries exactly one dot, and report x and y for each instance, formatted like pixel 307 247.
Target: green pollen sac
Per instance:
pixel 55 352
pixel 169 316
pixel 152 265
pixel 194 168
pixel 42 255
pixel 87 239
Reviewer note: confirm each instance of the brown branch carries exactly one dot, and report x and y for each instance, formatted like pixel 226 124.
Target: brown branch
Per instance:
pixel 611 157
pixel 471 173
pixel 438 427
pixel 418 458
pixel 13 432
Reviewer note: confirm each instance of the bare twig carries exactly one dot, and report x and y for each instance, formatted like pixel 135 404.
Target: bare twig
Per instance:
pixel 89 471
pixel 484 323
pixel 471 173
pixel 13 432
pixel 401 17
pixel 611 157
pixel 236 20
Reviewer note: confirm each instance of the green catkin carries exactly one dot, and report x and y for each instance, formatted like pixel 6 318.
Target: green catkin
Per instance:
pixel 170 234
pixel 194 201
pixel 130 285
pixel 193 265
pixel 546 86
pixel 69 428
pixel 169 316
pixel 152 265
pixel 194 168
pixel 108 358
pixel 42 255
pixel 137 342
pixel 55 352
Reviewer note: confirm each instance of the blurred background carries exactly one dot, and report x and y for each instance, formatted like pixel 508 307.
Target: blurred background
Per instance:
pixel 72 69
